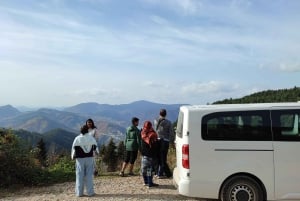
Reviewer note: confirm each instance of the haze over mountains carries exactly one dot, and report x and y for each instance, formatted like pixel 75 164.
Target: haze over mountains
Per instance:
pixel 111 120
pixel 71 118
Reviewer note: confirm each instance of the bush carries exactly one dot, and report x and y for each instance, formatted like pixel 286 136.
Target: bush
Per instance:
pixel 19 166
pixel 63 170
pixel 16 166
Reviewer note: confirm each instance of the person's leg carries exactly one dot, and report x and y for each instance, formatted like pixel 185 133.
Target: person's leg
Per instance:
pixel 124 165
pixel 144 170
pixel 133 156
pixel 89 165
pixel 79 177
pixel 167 170
pixel 150 172
pixel 161 158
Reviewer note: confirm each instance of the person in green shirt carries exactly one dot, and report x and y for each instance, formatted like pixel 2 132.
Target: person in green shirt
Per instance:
pixel 132 144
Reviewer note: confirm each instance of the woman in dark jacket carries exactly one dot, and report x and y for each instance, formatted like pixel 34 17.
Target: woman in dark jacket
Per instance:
pixel 149 150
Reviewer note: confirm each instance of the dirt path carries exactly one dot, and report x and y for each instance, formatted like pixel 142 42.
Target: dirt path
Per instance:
pixel 106 188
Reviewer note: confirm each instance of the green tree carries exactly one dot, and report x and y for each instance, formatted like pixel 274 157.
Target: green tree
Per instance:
pixel 110 156
pixel 268 96
pixel 16 167
pixel 120 151
pixel 42 152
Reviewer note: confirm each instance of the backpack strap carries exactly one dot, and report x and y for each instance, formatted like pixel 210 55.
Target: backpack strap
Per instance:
pixel 159 122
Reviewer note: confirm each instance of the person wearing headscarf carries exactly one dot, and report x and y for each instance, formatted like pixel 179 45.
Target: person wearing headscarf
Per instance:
pixel 149 151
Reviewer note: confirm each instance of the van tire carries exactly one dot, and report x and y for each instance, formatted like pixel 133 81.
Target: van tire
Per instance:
pixel 241 188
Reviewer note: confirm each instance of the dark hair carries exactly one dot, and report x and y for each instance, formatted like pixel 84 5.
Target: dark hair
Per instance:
pixel 84 129
pixel 91 120
pixel 134 119
pixel 163 112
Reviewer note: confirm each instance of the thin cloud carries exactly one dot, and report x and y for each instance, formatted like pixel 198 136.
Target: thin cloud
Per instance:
pixel 154 84
pixel 288 66
pixel 209 87
pixel 182 7
pixel 292 67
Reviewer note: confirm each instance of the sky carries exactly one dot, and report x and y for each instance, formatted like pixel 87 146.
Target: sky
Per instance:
pixel 59 53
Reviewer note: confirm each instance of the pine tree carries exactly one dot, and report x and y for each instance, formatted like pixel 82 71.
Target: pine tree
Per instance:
pixel 42 152
pixel 110 157
pixel 121 151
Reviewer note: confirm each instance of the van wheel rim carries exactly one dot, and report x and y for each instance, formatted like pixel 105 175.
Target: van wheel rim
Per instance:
pixel 241 193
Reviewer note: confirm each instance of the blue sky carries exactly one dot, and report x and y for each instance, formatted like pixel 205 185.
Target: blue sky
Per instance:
pixel 65 52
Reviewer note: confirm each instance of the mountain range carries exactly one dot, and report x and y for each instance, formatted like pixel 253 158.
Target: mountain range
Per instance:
pixel 61 126
pixel 71 118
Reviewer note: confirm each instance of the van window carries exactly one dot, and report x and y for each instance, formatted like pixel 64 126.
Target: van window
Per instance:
pixel 286 125
pixel 179 128
pixel 241 125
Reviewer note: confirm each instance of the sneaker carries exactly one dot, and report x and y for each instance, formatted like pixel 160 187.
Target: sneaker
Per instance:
pixel 131 174
pixel 145 184
pixel 121 174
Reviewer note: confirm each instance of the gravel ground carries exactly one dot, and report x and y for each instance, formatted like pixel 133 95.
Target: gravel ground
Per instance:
pixel 106 188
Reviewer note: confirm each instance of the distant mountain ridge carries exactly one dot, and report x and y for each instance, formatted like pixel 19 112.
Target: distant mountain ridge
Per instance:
pixel 59 127
pixel 144 110
pixel 111 120
pixel 8 111
pixel 55 140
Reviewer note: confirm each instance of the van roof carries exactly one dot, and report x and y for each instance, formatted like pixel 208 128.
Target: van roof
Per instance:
pixel 242 106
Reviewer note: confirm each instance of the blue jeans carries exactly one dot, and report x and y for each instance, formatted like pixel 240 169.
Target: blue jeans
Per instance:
pixel 84 176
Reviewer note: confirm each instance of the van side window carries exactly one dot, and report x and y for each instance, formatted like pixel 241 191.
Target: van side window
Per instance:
pixel 241 126
pixel 286 125
pixel 179 127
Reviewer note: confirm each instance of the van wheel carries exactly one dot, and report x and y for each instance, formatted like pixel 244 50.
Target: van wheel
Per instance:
pixel 241 188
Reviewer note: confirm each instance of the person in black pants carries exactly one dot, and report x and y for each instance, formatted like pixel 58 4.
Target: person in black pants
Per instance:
pixel 165 133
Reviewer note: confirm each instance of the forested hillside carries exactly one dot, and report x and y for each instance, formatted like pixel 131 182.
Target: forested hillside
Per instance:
pixel 268 96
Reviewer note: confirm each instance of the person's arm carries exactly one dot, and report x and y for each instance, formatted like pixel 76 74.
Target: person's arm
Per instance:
pixel 73 149
pixel 126 134
pixel 139 138
pixel 96 150
pixel 96 134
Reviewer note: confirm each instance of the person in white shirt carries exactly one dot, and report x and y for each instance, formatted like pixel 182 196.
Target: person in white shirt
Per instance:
pixel 83 148
pixel 92 129
pixel 93 132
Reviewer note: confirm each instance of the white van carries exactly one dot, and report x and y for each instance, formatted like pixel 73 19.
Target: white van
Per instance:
pixel 239 152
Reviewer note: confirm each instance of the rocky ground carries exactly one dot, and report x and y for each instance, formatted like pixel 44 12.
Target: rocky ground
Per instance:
pixel 106 188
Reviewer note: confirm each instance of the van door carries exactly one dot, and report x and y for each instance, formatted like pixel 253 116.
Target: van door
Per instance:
pixel 235 142
pixel 285 127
